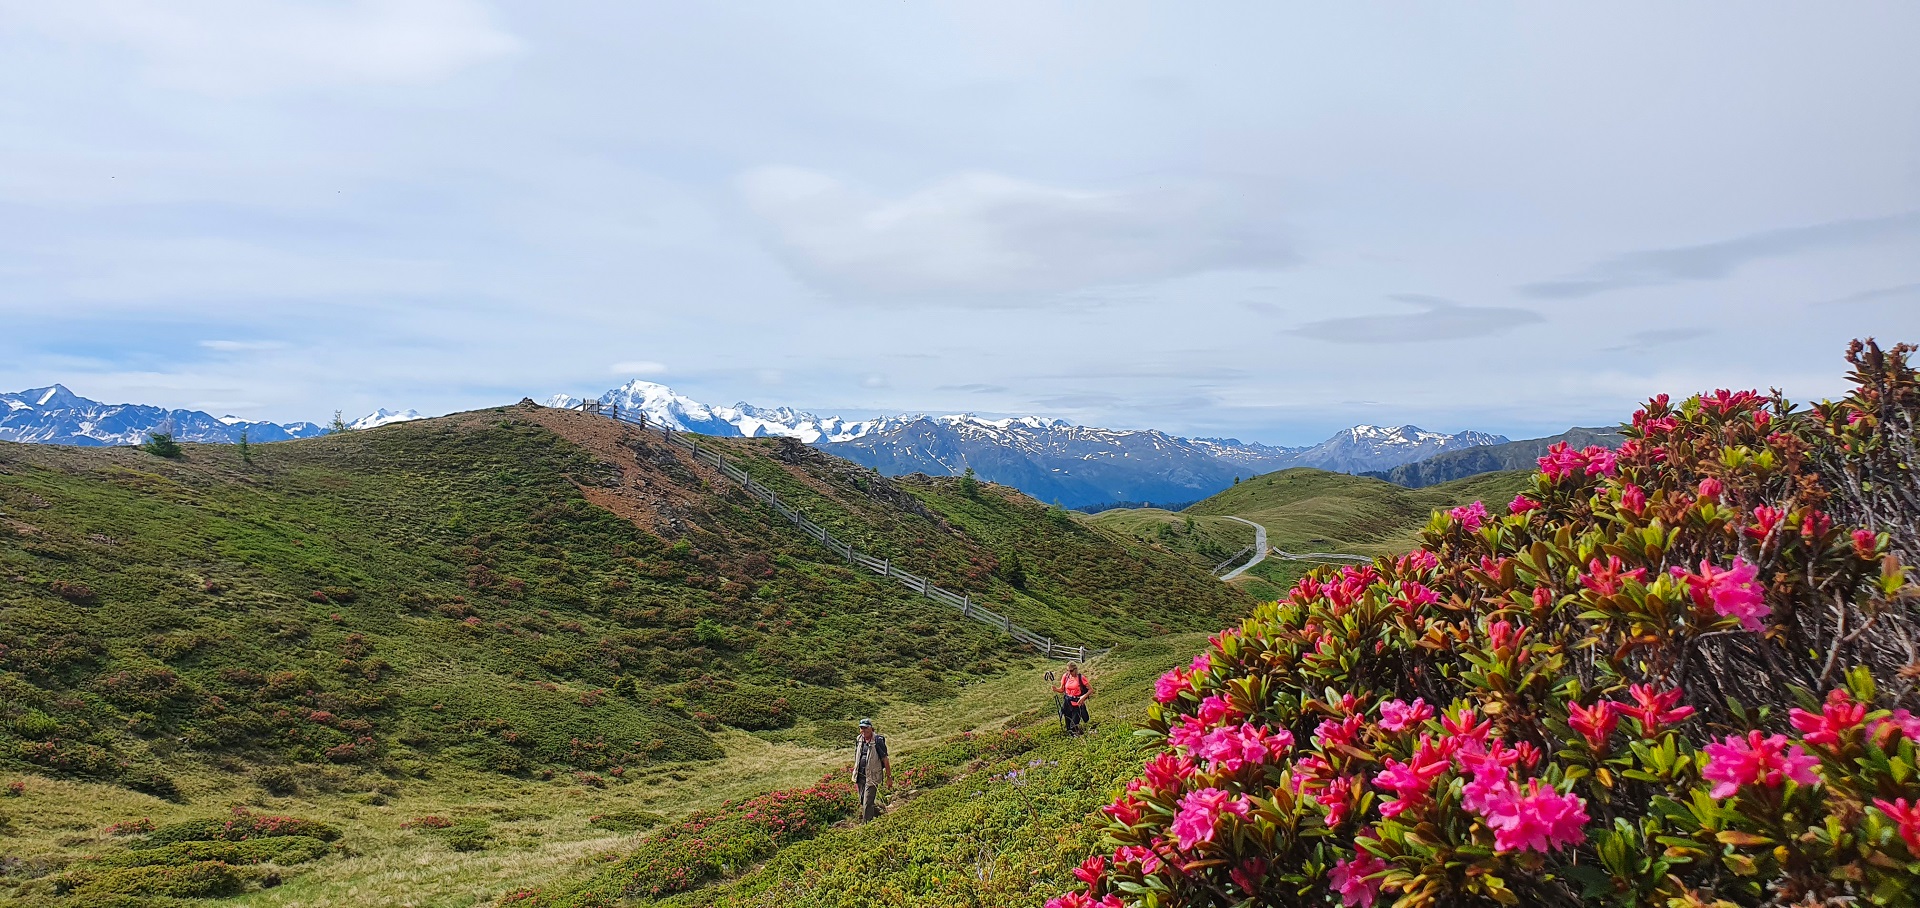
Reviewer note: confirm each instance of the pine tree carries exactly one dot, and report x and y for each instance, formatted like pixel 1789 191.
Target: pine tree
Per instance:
pixel 246 453
pixel 969 486
pixel 161 444
pixel 340 425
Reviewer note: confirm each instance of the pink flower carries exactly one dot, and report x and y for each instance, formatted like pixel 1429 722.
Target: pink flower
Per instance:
pixel 1215 710
pixel 1815 524
pixel 1409 781
pixel 1711 489
pixel 1414 596
pixel 1501 636
pixel 1171 685
pixel 1125 809
pixel 1350 879
pixel 1136 854
pixel 1765 518
pixel 1908 819
pixel 1903 723
pixel 1332 734
pixel 1605 578
pixel 1200 813
pixel 1419 560
pixel 1490 784
pixel 1542 597
pixel 1733 592
pixel 1201 664
pixel 1841 714
pixel 1633 499
pixel 1757 759
pixel 1470 516
pixel 1561 461
pixel 1091 870
pixel 1168 771
pixel 1866 543
pixel 1248 874
pixel 1595 723
pixel 1540 820
pixel 1187 734
pixel 1655 708
pixel 1461 727
pixel 1397 715
pixel 1072 900
pixel 1521 504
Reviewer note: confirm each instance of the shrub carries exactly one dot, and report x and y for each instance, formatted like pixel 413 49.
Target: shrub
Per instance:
pixel 626 820
pixel 240 826
pixel 140 826
pixel 283 850
pixel 71 590
pixel 161 444
pixel 1677 674
pixel 16 789
pixel 205 879
pixel 278 780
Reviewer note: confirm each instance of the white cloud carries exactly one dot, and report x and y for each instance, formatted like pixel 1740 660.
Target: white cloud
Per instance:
pixel 237 346
pixel 979 235
pixel 637 367
pixel 250 47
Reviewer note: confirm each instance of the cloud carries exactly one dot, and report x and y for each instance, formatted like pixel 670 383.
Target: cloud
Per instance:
pixel 875 380
pixel 251 47
pixel 1642 340
pixel 975 388
pixel 1442 320
pixel 237 346
pixel 637 367
pixel 1713 261
pixel 1874 296
pixel 983 237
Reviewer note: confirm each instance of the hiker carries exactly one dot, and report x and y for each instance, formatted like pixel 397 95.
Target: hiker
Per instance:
pixel 870 766
pixel 1073 690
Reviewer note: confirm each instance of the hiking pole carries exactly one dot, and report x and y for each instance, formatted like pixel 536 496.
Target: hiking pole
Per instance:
pixel 1059 707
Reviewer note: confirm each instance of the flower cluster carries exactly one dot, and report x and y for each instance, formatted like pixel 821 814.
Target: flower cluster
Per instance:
pixel 1611 693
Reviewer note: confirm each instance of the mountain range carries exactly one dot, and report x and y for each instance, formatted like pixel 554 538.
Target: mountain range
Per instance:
pixel 1050 459
pixel 1513 455
pixel 55 415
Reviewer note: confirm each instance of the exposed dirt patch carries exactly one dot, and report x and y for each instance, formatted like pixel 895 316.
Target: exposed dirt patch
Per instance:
pixel 656 485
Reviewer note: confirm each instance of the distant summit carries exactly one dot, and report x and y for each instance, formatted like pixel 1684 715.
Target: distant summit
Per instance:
pixel 56 415
pixel 1047 458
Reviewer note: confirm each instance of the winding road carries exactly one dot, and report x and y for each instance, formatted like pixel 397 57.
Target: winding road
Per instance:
pixel 1259 548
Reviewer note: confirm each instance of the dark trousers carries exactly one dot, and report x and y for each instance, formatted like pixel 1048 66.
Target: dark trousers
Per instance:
pixel 869 801
pixel 1073 713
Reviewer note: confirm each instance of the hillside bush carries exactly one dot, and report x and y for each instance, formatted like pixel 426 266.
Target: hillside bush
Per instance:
pixel 1678 673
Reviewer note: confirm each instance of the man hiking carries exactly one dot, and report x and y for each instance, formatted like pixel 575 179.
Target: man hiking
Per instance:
pixel 870 766
pixel 1073 690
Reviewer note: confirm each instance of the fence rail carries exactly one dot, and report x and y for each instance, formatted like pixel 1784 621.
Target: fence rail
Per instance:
pixel 881 566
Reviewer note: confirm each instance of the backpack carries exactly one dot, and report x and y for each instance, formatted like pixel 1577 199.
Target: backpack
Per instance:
pixel 860 755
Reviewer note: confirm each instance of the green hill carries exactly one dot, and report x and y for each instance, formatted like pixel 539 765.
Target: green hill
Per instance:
pixel 518 605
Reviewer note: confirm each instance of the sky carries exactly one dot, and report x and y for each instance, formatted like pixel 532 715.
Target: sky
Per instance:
pixel 1259 220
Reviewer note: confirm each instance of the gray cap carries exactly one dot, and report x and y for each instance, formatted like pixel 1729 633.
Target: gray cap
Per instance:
pixel 866 723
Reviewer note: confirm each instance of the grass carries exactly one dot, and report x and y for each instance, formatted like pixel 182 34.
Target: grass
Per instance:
pixel 519 620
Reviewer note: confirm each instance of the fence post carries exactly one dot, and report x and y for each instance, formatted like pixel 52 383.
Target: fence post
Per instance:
pixel 1049 644
pixel 886 567
pixel 966 605
pixel 1007 623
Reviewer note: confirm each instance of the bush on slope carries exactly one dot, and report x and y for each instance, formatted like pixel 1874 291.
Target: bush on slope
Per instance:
pixel 1679 673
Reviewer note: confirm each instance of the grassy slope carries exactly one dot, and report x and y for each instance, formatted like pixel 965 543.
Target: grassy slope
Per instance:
pixel 984 839
pixel 474 607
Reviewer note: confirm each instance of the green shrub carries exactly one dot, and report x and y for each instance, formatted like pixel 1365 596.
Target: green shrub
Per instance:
pixel 626 820
pixel 161 444
pixel 466 835
pixel 241 826
pixel 203 879
pixel 285 850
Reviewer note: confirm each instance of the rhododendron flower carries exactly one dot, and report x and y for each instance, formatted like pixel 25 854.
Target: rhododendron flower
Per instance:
pixel 1765 518
pixel 1137 854
pixel 1199 815
pixel 1757 759
pixel 1072 900
pixel 1168 771
pixel 1091 870
pixel 1461 726
pixel 1187 734
pixel 1249 874
pixel 1655 709
pixel 1414 596
pixel 1540 820
pixel 1501 635
pixel 1724 402
pixel 1711 489
pixel 1605 578
pixel 1595 723
pixel 1600 461
pixel 1490 783
pixel 1734 592
pixel 1521 504
pixel 1398 715
pixel 1542 597
pixel 1349 878
pixel 1171 685
pixel 1202 663
pixel 1561 461
pixel 1761 419
pixel 1901 722
pixel 1332 734
pixel 1841 714
pixel 1215 710
pixel 1907 818
pixel 1470 516
pixel 1418 560
pixel 1866 543
pixel 1125 809
pixel 1815 524
pixel 1633 499
pixel 1410 780
pixel 1529 754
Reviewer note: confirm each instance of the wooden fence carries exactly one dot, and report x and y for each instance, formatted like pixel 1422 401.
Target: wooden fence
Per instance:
pixel 884 567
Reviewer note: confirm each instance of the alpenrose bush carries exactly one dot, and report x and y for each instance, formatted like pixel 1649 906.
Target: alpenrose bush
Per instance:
pixel 1679 673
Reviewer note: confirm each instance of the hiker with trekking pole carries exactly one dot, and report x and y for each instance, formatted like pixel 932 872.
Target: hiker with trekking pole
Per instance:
pixel 870 766
pixel 1073 690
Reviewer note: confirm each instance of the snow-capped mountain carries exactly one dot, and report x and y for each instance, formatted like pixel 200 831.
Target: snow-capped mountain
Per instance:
pixel 384 416
pixel 55 415
pixel 1364 448
pixel 1050 459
